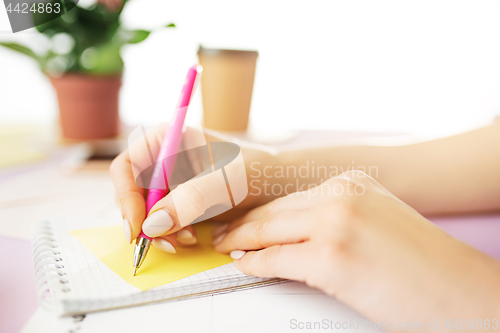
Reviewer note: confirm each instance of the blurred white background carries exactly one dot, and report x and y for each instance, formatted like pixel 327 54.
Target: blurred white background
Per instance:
pixel 428 67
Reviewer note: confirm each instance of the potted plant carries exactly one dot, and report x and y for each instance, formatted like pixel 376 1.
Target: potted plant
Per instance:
pixel 84 65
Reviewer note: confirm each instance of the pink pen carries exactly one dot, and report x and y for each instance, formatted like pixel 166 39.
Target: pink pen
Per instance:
pixel 158 187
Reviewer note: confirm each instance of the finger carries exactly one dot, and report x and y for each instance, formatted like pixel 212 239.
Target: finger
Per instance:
pixel 289 261
pixel 186 236
pixel 297 201
pixel 197 199
pixel 192 139
pixel 283 228
pixel 262 212
pixel 129 196
pixel 143 148
pixel 353 181
pixel 129 190
pixel 234 215
pixel 166 243
pixel 169 243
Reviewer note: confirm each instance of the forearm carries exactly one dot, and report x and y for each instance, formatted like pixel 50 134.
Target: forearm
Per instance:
pixel 448 175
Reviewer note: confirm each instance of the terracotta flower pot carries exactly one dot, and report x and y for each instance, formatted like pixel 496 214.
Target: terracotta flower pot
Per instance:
pixel 88 105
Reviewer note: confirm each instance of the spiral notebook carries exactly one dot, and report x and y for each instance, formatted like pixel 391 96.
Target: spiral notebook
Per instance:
pixel 71 280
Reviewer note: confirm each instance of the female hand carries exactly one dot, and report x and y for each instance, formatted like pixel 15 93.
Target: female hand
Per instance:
pixel 168 221
pixel 354 240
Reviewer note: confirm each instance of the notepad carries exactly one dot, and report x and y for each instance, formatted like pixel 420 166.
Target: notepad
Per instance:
pixel 109 245
pixel 73 278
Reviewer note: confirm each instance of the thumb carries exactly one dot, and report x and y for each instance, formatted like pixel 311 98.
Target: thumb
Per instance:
pixel 194 201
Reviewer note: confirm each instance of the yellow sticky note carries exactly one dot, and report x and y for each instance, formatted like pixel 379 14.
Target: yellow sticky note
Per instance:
pixel 20 144
pixel 159 268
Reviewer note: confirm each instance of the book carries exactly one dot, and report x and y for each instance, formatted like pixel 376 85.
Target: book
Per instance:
pixel 72 280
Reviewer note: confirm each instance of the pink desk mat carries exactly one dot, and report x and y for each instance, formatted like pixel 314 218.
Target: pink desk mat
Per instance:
pixel 17 282
pixel 479 231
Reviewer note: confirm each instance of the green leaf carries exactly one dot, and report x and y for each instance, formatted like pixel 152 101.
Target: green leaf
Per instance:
pixel 102 60
pixel 170 25
pixel 137 36
pixel 97 24
pixel 21 49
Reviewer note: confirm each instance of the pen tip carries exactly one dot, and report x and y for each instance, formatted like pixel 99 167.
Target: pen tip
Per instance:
pixel 135 269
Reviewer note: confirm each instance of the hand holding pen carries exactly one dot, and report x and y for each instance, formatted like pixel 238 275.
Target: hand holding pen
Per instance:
pixel 158 187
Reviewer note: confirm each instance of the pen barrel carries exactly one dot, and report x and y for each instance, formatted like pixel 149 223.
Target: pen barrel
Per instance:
pixel 169 150
pixel 154 195
pixel 164 165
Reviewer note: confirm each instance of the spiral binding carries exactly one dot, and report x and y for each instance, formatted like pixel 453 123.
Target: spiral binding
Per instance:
pixel 48 263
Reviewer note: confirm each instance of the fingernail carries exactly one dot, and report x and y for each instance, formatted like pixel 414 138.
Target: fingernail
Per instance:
pixel 157 223
pixel 218 239
pixel 164 245
pixel 186 237
pixel 128 231
pixel 220 229
pixel 184 234
pixel 237 254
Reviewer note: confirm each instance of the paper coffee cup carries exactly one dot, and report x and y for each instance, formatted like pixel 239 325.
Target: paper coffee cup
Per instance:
pixel 226 87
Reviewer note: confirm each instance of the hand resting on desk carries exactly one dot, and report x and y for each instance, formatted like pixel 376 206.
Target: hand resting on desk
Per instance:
pixel 356 241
